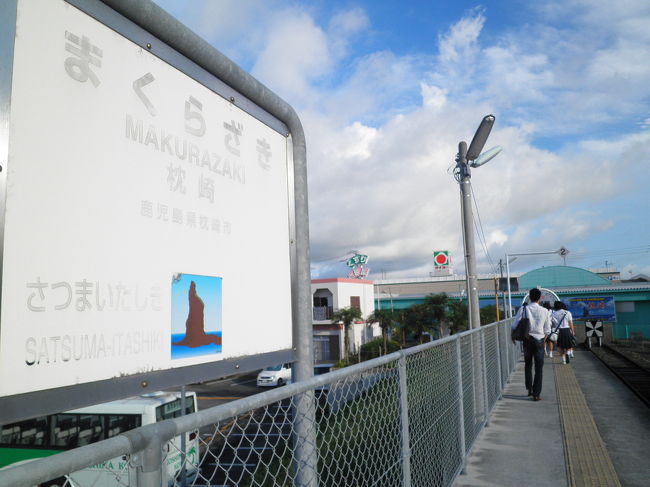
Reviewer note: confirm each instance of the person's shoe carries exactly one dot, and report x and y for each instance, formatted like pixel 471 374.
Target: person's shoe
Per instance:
pixel 571 353
pixel 537 398
pixel 568 358
pixel 563 360
pixel 530 392
pixel 550 354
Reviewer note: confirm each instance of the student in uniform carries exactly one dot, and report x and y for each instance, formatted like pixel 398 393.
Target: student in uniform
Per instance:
pixel 563 319
pixel 548 344
pixel 540 328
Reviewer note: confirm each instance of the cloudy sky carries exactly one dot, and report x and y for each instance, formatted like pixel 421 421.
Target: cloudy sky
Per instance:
pixel 387 89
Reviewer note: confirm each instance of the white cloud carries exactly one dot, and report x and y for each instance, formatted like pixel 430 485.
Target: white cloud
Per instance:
pixel 432 96
pixel 514 78
pixel 376 87
pixel 458 53
pixel 343 27
pixel 295 54
pixel 232 26
pixel 497 237
pixel 349 22
pixel 460 44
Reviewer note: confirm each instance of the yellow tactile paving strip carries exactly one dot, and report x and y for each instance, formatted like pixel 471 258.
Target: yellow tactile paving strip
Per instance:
pixel 588 463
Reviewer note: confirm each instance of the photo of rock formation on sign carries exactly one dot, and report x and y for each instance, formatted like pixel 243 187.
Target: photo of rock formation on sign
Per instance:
pixel 195 335
pixel 196 316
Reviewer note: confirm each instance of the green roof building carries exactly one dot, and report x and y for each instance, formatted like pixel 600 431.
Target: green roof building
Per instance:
pixel 587 293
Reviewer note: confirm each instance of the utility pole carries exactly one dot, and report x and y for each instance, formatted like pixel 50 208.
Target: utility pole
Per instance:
pixel 503 296
pixel 468 236
pixel 464 159
pixel 496 296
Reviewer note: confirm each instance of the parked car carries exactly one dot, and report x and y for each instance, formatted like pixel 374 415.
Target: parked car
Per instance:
pixel 276 375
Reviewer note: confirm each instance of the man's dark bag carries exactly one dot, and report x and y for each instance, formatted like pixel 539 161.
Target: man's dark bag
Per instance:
pixel 520 333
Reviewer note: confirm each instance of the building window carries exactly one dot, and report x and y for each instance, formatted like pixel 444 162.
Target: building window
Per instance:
pixel 322 349
pixel 625 306
pixel 355 302
pixel 322 300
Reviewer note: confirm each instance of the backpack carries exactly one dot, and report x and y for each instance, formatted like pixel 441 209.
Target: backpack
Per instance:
pixel 520 333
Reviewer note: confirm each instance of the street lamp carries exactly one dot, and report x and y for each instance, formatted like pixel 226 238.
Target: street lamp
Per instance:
pixel 465 159
pixel 561 251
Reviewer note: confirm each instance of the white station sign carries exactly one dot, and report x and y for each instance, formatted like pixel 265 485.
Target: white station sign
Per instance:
pixel 147 218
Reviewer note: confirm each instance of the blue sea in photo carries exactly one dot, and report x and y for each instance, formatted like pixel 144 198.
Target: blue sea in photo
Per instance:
pixel 181 351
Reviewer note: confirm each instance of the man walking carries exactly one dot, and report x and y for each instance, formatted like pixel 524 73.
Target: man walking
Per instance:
pixel 540 328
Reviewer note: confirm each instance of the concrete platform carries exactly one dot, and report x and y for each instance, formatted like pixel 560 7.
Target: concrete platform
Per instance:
pixel 587 459
pixel 523 445
pixel 622 419
pixel 588 430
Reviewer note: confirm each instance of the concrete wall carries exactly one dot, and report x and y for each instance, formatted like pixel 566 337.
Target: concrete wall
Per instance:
pixel 343 289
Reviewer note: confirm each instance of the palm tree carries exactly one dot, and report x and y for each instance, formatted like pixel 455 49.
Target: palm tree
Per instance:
pixel 347 316
pixel 438 305
pixel 400 324
pixel 488 314
pixel 417 319
pixel 458 316
pixel 386 320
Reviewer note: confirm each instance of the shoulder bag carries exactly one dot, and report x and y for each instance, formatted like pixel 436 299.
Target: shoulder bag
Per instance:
pixel 521 332
pixel 556 331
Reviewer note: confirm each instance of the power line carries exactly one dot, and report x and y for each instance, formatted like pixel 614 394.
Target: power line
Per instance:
pixel 481 234
pixel 484 246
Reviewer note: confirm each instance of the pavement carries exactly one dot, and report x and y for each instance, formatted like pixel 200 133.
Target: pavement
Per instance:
pixel 523 445
pixel 621 418
pixel 589 429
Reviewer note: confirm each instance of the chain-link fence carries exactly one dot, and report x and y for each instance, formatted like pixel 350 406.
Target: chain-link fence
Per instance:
pixel 405 419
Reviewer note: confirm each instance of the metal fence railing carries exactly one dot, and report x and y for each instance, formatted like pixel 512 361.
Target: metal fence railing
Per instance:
pixel 405 419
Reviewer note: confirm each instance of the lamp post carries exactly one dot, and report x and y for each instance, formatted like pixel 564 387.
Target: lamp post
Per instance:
pixel 466 158
pixel 561 251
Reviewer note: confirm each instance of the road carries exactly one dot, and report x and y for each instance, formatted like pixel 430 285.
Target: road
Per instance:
pixel 220 391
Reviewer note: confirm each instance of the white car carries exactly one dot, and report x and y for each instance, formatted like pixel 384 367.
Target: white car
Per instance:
pixel 277 375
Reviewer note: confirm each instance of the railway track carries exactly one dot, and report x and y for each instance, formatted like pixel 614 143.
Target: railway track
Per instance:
pixel 636 377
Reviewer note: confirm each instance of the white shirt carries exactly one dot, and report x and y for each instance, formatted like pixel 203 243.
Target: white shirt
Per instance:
pixel 540 320
pixel 558 316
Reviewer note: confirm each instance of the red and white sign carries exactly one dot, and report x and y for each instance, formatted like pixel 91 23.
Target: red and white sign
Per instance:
pixel 441 258
pixel 441 262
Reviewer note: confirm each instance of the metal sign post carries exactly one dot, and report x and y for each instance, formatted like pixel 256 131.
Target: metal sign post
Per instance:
pixel 561 251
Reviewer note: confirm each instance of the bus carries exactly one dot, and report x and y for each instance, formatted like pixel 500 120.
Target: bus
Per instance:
pixel 47 435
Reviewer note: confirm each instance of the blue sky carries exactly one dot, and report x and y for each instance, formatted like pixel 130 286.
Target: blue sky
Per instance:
pixel 386 90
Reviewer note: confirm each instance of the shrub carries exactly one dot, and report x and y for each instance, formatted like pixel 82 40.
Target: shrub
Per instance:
pixel 375 348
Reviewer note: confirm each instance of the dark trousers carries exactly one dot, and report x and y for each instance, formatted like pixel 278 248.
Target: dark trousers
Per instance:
pixel 534 350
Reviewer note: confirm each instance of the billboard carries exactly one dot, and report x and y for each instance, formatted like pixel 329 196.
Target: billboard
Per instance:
pixel 441 263
pixel 141 209
pixel 592 308
pixel 514 284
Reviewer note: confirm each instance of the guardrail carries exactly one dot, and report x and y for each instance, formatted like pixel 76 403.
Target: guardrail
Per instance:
pixel 409 418
pixel 322 313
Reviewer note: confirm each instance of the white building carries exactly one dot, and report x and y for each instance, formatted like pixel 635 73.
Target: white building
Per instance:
pixel 330 295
